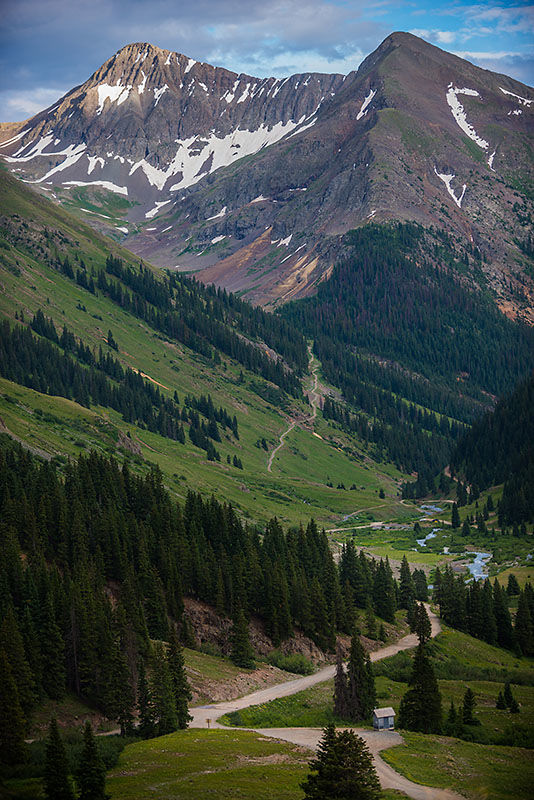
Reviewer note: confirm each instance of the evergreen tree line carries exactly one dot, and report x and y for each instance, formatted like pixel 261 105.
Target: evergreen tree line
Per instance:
pixel 399 429
pixel 397 301
pixel 95 562
pixel 186 315
pixel 393 298
pixel 37 363
pixel 499 448
pixel 180 291
pixel 481 609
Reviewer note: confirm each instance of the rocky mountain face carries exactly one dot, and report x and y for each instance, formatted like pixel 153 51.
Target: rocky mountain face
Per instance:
pixel 253 183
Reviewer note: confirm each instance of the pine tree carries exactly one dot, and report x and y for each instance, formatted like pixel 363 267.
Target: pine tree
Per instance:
pixel 341 689
pixel 500 702
pixel 147 726
pixel 370 621
pixel 162 691
pixel 361 684
pixel 180 685
pixel 406 585
pixel 450 724
pixel 11 637
pixel 468 706
pixel 57 783
pixel 53 655
pixel 507 694
pixel 512 587
pixel 91 773
pixel 420 708
pixel 523 626
pixel 12 722
pixel 423 628
pixel 514 706
pixel 120 697
pixel 342 770
pixel 455 518
pixel 242 653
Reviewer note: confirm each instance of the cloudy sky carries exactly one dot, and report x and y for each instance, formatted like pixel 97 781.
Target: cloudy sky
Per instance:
pixel 49 46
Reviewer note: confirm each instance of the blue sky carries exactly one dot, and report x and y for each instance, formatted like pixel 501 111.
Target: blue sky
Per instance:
pixel 49 46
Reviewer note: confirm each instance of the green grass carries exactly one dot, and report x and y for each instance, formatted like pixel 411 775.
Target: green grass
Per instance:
pixel 296 489
pixel 459 661
pixel 197 763
pixel 479 772
pixel 459 656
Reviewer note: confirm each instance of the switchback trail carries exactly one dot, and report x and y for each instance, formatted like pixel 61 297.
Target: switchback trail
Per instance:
pixel 314 400
pixel 309 737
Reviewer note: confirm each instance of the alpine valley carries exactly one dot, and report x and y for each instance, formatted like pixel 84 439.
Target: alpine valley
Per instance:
pixel 267 409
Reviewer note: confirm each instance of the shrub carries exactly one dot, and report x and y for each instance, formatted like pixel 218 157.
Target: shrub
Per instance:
pixel 295 662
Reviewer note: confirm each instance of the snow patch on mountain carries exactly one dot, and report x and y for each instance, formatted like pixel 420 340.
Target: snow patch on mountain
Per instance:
pixel 221 213
pixel 158 94
pixel 15 138
pixel 155 210
pixel 459 115
pixel 93 161
pixel 447 181
pixel 115 94
pixel 112 187
pixel 141 87
pixel 524 101
pixel 363 110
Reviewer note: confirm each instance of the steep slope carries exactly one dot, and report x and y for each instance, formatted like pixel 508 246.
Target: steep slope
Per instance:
pixel 500 449
pixel 53 262
pixel 255 182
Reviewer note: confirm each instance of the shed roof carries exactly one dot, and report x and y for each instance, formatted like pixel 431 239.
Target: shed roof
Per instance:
pixel 384 712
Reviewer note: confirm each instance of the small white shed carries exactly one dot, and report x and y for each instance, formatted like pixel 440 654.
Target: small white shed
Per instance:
pixel 384 719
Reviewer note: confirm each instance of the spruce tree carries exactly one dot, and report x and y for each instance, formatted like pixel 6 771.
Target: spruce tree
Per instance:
pixel 57 783
pixel 341 689
pixel 523 626
pixel 450 724
pixel 507 694
pixel 342 770
pixel 147 726
pixel 13 643
pixel 361 684
pixel 406 585
pixel 420 708
pixel 12 722
pixel 500 702
pixel 468 706
pixel 91 772
pixel 370 621
pixel 163 693
pixel 180 685
pixel 53 654
pixel 423 628
pixel 242 653
pixel 455 518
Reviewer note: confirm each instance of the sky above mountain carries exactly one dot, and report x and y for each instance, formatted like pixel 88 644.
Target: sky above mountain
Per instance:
pixel 49 46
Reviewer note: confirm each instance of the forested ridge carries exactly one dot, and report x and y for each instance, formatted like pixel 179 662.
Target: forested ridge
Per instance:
pixel 499 448
pixel 395 319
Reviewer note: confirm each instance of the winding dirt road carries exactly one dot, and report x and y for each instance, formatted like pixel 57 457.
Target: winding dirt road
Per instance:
pixel 314 399
pixel 309 737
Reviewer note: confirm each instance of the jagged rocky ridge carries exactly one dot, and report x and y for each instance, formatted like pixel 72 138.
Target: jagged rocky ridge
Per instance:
pixel 254 182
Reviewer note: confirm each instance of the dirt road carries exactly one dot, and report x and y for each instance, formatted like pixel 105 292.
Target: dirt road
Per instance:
pixel 309 737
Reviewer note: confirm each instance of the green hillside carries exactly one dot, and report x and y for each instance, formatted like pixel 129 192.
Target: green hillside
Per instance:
pixel 37 238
